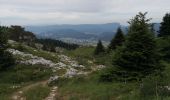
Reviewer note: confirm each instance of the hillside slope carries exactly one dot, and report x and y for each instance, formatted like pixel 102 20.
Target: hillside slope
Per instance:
pixel 47 67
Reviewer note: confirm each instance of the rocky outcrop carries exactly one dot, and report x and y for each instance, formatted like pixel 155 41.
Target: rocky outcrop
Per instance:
pixel 30 59
pixel 71 66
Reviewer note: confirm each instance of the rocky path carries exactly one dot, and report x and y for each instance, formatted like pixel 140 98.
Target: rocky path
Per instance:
pixel 19 94
pixel 53 93
pixel 71 66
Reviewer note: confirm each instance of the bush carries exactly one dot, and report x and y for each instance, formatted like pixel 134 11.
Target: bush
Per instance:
pixel 107 75
pixel 154 87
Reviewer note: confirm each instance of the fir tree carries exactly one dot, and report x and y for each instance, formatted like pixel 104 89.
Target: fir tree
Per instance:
pixel 117 40
pixel 6 58
pixel 138 54
pixel 99 49
pixel 16 33
pixel 164 48
pixel 164 41
pixel 3 39
pixel 165 26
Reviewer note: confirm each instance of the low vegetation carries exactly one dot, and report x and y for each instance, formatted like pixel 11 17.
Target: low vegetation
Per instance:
pixel 37 92
pixel 20 75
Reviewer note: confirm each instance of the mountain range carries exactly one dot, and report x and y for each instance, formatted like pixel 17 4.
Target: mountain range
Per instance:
pixel 89 32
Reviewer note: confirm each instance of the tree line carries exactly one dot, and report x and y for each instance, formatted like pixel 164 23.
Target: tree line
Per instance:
pixel 19 34
pixel 138 53
pixel 50 44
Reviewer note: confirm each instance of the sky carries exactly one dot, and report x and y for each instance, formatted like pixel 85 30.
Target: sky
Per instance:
pixel 49 12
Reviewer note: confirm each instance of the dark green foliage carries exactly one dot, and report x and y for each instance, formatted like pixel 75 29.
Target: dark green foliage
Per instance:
pixel 99 49
pixel 19 34
pixel 6 58
pixel 107 75
pixel 117 40
pixel 15 32
pixel 154 87
pixel 3 38
pixel 164 47
pixel 164 41
pixel 50 44
pixel 139 53
pixel 165 26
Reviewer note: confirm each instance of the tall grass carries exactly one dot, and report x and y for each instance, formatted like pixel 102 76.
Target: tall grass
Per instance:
pixel 37 93
pixel 89 88
pixel 20 75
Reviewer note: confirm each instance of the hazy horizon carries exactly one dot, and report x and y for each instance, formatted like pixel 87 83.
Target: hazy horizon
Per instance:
pixel 46 12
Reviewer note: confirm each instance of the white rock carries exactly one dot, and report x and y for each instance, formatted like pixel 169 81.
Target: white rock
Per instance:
pixel 71 73
pixel 100 66
pixel 53 78
pixel 35 59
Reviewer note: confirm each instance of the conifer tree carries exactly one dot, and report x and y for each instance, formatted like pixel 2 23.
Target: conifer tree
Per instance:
pixel 138 54
pixel 99 49
pixel 117 40
pixel 165 26
pixel 164 40
pixel 6 58
pixel 16 33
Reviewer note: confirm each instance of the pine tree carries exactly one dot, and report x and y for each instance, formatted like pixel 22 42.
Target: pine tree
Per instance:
pixel 164 48
pixel 6 58
pixel 117 40
pixel 3 39
pixel 164 40
pixel 16 33
pixel 99 49
pixel 138 54
pixel 165 26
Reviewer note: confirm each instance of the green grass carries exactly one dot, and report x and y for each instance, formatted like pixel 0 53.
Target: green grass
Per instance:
pixel 5 90
pixel 104 59
pixel 81 87
pixel 37 93
pixel 82 55
pixel 84 52
pixel 20 75
pixel 24 73
pixel 89 88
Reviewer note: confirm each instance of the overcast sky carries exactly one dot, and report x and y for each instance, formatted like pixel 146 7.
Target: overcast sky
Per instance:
pixel 43 12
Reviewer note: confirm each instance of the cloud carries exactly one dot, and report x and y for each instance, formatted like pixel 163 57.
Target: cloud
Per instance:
pixel 78 11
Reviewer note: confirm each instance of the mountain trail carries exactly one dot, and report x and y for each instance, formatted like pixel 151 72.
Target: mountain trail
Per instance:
pixel 53 93
pixel 19 94
pixel 65 62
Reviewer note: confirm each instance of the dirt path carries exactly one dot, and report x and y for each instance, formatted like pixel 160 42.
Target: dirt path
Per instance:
pixel 53 94
pixel 19 94
pixel 54 90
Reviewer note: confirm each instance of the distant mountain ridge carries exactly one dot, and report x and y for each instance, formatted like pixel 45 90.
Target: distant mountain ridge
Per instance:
pixel 82 31
pixel 91 28
pixel 104 32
